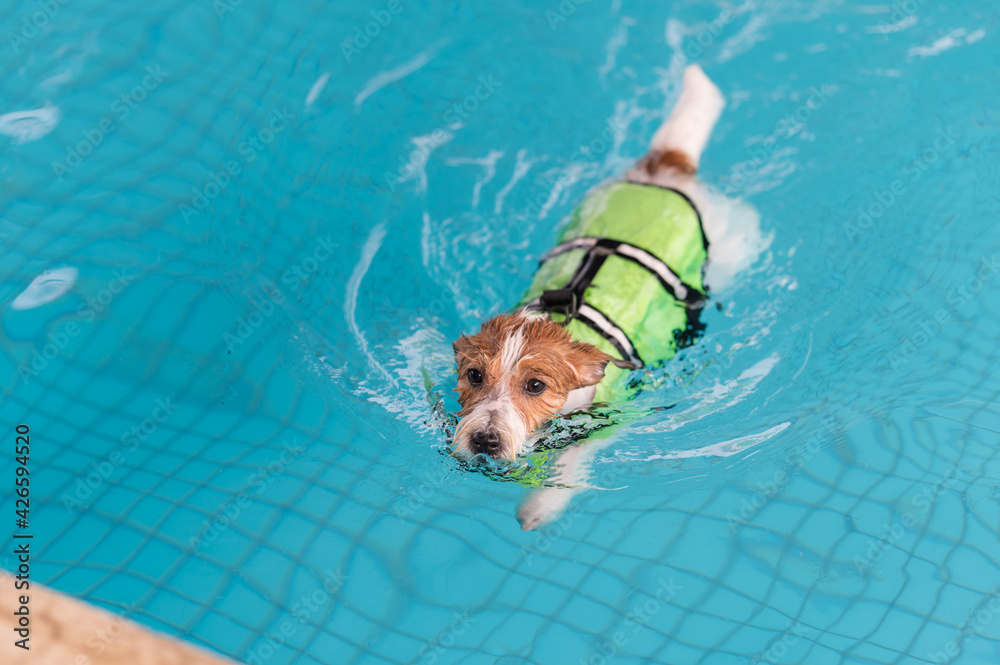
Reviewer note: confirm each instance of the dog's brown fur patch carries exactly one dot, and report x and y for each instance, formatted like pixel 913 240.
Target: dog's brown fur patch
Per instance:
pixel 675 160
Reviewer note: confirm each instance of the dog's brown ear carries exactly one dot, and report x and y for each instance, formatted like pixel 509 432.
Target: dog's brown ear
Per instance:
pixel 589 363
pixel 462 346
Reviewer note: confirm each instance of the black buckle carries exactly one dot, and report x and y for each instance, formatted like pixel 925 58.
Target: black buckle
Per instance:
pixel 563 301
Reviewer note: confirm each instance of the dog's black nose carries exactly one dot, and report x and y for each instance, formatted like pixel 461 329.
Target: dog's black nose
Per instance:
pixel 486 442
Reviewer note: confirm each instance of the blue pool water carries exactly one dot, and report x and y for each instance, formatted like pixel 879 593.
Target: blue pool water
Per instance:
pixel 277 227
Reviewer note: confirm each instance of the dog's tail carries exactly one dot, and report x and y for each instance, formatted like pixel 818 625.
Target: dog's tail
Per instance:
pixel 679 142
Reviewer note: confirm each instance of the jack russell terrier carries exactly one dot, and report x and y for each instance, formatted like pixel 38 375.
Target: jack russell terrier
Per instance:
pixel 622 290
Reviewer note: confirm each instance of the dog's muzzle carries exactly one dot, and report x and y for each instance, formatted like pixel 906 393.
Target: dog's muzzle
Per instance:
pixel 486 442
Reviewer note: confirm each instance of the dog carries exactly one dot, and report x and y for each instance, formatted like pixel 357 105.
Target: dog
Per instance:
pixel 622 291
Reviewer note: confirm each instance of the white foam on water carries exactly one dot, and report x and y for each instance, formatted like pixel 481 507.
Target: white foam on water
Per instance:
pixel 317 88
pixel 489 164
pixel 391 76
pixel 47 287
pixel 718 397
pixel 952 40
pixel 25 126
pixel 368 252
pixel 721 449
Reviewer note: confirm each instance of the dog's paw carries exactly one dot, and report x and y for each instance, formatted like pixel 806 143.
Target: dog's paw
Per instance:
pixel 544 506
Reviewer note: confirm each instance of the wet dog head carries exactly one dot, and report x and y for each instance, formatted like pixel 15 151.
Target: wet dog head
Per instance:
pixel 515 374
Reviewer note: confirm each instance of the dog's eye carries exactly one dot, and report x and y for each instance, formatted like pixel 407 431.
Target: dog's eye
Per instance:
pixel 534 386
pixel 474 376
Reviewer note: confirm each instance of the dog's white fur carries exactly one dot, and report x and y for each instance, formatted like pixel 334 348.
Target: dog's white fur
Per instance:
pixel 735 242
pixel 732 226
pixel 694 116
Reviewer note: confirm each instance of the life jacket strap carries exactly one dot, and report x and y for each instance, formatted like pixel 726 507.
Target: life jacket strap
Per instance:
pixel 569 300
pixel 605 327
pixel 605 247
pixel 565 302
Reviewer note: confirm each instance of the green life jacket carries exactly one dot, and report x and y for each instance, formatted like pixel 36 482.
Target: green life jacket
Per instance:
pixel 628 273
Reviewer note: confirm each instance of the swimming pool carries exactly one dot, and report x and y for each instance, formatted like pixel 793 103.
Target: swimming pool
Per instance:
pixel 280 217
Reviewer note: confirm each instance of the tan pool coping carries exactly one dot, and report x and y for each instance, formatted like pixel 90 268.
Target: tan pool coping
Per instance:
pixel 67 631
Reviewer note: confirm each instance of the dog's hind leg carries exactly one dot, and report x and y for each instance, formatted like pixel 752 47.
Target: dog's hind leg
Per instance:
pixel 677 145
pixel 731 225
